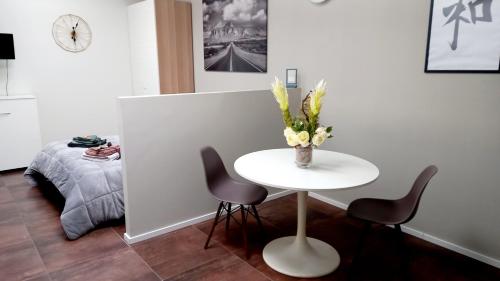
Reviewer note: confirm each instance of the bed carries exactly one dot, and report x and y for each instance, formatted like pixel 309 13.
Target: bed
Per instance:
pixel 93 191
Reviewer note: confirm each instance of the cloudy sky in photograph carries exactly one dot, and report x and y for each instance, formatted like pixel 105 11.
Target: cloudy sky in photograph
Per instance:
pixel 239 12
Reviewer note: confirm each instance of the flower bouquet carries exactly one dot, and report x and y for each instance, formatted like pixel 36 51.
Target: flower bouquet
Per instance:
pixel 303 131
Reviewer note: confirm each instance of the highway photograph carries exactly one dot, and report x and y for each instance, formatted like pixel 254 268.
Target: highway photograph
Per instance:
pixel 235 35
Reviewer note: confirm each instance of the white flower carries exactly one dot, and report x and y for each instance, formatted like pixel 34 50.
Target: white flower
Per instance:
pixel 303 138
pixel 320 130
pixel 319 139
pixel 288 131
pixel 292 139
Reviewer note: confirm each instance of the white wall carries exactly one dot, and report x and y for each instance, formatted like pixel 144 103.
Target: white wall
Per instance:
pixel 144 48
pixel 161 138
pixel 386 109
pixel 76 92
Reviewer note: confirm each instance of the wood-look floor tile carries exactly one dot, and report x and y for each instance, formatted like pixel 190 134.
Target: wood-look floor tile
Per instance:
pixel 20 261
pixel 43 277
pixel 178 252
pixel 9 211
pixel 122 265
pixel 339 231
pixel 102 255
pixel 282 212
pixel 5 195
pixel 15 177
pixel 222 269
pixel 36 209
pixel 13 232
pixel 23 192
pixel 58 252
pixel 232 240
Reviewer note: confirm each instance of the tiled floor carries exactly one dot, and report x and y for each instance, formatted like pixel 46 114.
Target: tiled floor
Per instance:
pixel 33 247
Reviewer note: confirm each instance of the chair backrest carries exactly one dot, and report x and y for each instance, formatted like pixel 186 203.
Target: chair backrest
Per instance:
pixel 214 167
pixel 412 199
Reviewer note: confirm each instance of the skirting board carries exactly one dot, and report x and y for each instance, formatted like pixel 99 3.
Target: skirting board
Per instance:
pixel 424 236
pixel 179 225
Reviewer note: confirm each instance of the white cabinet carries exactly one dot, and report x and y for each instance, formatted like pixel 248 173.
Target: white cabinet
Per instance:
pixel 143 48
pixel 20 137
pixel 161 47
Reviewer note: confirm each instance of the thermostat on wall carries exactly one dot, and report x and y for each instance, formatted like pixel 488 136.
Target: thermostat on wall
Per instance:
pixel 291 78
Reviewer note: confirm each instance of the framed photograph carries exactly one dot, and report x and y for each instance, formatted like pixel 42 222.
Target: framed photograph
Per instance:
pixel 464 37
pixel 235 35
pixel 291 78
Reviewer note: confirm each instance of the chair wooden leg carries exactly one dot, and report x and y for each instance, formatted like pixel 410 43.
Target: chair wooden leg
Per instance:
pixel 259 222
pixel 244 229
pixel 228 216
pixel 216 220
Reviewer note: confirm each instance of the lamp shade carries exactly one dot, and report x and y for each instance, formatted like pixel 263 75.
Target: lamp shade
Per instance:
pixel 7 47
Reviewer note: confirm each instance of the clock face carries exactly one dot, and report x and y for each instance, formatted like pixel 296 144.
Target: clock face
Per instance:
pixel 72 33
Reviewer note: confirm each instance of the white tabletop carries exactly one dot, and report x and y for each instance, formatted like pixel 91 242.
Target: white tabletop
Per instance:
pixel 329 170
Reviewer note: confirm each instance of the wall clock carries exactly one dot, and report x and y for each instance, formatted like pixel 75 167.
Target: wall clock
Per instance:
pixel 72 33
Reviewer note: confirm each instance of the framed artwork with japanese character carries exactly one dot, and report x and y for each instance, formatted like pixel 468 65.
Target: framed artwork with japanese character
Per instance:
pixel 464 36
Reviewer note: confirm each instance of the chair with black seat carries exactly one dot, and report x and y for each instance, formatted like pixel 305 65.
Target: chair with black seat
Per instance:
pixel 390 212
pixel 230 192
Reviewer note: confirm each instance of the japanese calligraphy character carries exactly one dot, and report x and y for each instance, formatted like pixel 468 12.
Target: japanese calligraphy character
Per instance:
pixel 455 14
pixel 455 11
pixel 486 11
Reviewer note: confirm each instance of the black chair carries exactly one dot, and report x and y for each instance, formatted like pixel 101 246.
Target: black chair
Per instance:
pixel 390 212
pixel 229 192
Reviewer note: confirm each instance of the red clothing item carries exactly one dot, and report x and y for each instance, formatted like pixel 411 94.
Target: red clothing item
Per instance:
pixel 103 151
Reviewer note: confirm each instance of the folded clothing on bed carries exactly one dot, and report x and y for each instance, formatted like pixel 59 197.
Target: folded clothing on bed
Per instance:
pixel 103 151
pixel 87 141
pixel 111 157
pixel 102 154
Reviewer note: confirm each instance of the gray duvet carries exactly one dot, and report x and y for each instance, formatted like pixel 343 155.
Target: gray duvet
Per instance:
pixel 93 190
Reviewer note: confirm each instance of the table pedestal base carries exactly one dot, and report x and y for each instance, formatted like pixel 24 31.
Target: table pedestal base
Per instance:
pixel 307 259
pixel 301 256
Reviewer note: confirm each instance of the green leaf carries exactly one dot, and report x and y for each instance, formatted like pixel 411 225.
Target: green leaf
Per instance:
pixel 329 129
pixel 299 125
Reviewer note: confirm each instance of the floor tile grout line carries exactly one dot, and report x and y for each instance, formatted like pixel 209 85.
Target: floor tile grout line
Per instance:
pixel 29 234
pixel 140 257
pixel 121 236
pixel 209 260
pixel 22 215
pixel 49 273
pixel 229 251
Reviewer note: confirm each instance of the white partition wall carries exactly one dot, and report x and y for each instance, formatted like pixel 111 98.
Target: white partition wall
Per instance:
pixel 161 136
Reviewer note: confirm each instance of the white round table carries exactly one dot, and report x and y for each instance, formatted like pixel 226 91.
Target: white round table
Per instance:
pixel 301 256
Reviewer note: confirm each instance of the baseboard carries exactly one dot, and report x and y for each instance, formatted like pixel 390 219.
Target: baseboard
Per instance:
pixel 328 200
pixel 424 236
pixel 182 224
